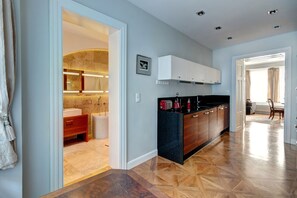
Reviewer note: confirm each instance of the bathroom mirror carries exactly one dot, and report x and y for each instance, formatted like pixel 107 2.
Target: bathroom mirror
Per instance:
pixel 72 80
pixel 85 82
pixel 95 82
pixel 86 71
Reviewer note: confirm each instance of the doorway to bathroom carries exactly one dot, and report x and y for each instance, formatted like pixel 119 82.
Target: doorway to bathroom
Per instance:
pixel 85 97
pixel 88 52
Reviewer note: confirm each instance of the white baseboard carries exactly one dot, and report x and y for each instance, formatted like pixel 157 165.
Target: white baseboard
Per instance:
pixel 141 159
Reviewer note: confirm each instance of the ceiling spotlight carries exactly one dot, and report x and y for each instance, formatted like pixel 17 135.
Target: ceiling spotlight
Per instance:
pixel 200 13
pixel 276 27
pixel 229 38
pixel 272 12
pixel 218 28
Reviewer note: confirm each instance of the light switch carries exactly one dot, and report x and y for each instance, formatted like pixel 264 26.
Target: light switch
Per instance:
pixel 137 97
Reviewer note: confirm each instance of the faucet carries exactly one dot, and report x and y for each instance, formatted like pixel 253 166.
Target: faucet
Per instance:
pixel 98 103
pixel 198 103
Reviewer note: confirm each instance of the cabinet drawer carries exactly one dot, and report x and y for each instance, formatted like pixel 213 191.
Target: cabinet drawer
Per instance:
pixel 75 122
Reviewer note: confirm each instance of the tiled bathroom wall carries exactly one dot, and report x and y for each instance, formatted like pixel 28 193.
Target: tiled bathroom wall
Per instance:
pixel 89 61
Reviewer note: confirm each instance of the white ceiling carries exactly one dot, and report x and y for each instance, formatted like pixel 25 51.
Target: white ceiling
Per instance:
pixel 244 20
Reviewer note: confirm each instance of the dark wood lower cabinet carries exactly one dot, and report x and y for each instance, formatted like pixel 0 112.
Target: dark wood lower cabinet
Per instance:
pixel 180 135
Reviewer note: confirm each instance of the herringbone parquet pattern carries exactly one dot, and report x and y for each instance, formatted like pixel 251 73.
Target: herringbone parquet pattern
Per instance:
pixel 251 163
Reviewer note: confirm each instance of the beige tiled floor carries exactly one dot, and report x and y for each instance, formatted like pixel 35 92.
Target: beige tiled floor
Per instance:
pixel 85 159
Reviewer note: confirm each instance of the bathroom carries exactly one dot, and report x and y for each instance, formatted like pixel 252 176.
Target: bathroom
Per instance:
pixel 85 97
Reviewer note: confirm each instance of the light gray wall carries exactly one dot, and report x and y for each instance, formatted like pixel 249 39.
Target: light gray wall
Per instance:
pixel 146 36
pixel 11 179
pixel 35 96
pixel 222 59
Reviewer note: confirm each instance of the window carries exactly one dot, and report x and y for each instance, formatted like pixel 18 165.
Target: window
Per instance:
pixel 259 84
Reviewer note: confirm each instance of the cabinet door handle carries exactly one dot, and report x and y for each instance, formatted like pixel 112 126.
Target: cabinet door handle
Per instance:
pixel 206 113
pixel 195 116
pixel 69 122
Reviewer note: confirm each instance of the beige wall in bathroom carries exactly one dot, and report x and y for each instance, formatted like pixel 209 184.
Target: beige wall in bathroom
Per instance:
pixel 92 61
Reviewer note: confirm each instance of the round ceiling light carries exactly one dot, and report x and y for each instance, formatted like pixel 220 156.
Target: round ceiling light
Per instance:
pixel 272 12
pixel 200 13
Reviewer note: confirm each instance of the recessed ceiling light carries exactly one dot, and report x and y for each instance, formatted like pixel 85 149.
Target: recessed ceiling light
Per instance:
pixel 272 12
pixel 218 28
pixel 230 38
pixel 200 13
pixel 276 27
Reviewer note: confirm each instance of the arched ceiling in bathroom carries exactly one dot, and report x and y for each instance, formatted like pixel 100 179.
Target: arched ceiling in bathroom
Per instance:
pixel 81 33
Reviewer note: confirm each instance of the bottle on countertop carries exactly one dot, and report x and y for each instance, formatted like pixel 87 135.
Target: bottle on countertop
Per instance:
pixel 176 104
pixel 189 105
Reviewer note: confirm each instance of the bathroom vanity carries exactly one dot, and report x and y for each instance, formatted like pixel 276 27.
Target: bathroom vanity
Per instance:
pixel 183 132
pixel 76 126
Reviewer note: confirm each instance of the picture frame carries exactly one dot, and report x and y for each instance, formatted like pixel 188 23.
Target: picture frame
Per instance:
pixel 143 65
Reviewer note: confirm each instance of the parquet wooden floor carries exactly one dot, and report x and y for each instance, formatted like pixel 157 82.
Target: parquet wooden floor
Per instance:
pixel 252 163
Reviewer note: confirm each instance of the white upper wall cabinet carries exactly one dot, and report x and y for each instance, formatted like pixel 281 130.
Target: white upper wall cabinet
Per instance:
pixel 174 68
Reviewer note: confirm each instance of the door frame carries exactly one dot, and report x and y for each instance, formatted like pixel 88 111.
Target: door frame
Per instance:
pixel 56 88
pixel 288 82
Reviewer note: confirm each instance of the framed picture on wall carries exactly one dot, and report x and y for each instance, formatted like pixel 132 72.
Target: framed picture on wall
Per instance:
pixel 143 65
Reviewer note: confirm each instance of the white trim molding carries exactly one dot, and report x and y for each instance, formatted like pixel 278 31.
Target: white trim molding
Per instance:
pixel 288 91
pixel 141 159
pixel 56 89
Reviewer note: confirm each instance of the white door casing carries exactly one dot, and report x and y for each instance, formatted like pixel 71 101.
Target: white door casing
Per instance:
pixel 56 89
pixel 288 82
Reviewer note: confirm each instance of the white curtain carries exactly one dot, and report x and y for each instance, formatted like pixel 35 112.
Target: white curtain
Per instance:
pixel 247 84
pixel 273 84
pixel 8 157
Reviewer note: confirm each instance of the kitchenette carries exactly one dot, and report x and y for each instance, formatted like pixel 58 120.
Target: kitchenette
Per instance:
pixel 186 124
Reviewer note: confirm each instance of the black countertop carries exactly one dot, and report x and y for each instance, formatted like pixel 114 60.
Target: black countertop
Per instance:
pixel 201 108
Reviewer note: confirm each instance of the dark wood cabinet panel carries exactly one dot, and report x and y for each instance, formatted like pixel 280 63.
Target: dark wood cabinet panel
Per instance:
pixel 202 128
pixel 190 132
pixel 213 123
pixel 76 125
pixel 221 119
pixel 226 116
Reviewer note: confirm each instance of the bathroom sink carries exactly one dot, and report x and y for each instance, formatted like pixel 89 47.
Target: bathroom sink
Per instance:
pixel 71 112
